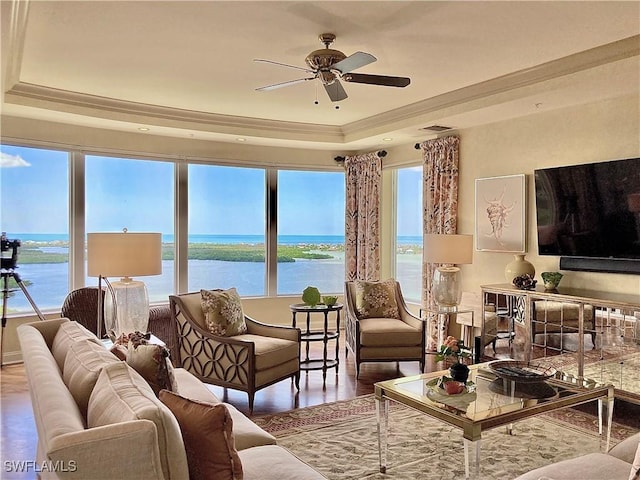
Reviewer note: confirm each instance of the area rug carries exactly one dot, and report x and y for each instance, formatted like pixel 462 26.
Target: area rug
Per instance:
pixel 340 441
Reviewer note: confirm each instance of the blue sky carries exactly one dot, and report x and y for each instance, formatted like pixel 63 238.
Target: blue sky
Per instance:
pixel 139 195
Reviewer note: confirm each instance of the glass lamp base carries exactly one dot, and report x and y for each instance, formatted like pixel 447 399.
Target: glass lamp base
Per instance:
pixel 446 288
pixel 126 308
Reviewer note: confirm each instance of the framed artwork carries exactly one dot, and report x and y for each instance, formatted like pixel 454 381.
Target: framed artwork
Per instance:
pixel 501 214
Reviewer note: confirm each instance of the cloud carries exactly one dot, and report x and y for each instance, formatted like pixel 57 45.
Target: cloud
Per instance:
pixel 7 160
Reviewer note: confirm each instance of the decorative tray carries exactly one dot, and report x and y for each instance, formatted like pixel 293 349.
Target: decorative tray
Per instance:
pixel 459 401
pixel 520 371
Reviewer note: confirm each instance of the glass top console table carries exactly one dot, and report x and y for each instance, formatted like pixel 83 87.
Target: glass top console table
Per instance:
pixel 600 329
pixel 493 402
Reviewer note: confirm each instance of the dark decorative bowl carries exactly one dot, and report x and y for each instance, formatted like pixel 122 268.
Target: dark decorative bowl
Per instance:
pixel 525 282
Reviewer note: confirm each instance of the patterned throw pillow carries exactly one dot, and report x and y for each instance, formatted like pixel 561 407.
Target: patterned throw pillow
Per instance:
pixel 153 363
pixel 376 299
pixel 223 312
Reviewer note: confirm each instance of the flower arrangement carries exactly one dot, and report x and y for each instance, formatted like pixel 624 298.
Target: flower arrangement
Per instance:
pixel 453 347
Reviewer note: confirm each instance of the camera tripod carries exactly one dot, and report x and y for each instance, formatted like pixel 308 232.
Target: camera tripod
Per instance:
pixel 6 275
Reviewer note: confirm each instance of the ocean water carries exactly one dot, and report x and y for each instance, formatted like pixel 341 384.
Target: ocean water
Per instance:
pixel 49 283
pixel 221 239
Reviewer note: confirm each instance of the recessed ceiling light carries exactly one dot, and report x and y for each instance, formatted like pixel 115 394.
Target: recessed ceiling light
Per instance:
pixel 241 139
pixel 387 139
pixel 143 129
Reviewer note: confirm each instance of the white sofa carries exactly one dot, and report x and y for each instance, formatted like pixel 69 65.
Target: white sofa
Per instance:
pixel 90 426
pixel 615 465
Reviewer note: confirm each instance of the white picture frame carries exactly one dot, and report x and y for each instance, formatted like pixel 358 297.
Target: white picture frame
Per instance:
pixel 501 214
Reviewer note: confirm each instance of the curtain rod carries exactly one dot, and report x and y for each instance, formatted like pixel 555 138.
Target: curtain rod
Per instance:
pixel 381 154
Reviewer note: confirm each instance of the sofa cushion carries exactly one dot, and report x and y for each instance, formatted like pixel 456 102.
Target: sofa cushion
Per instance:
pixel 67 333
pixel 246 433
pixel 388 332
pixel 223 312
pixel 121 395
pixel 152 362
pixel 271 462
pixel 82 365
pixel 57 411
pixel 376 299
pixel 635 468
pixel 207 433
pixel 270 351
pixel 593 466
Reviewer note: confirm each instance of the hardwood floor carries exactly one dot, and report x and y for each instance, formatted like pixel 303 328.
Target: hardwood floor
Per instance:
pixel 18 435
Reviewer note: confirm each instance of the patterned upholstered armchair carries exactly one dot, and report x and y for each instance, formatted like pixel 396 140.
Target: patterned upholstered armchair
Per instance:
pixel 264 355
pixel 374 334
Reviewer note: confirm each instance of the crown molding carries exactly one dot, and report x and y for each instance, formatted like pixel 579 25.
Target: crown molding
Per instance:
pixel 475 96
pixel 39 96
pixel 579 62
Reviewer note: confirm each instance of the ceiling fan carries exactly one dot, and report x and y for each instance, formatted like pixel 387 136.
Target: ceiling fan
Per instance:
pixel 330 66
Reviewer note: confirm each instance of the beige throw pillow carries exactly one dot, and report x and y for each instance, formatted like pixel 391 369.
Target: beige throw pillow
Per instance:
pixel 376 299
pixel 223 312
pixel 207 433
pixel 153 363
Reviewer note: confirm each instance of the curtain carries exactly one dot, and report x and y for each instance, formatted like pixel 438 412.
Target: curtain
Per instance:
pixel 440 211
pixel 363 175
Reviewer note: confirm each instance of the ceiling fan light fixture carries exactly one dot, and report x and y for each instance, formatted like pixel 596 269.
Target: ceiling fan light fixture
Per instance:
pixel 330 65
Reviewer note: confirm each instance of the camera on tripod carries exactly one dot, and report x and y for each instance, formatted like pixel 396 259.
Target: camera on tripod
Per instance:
pixel 9 263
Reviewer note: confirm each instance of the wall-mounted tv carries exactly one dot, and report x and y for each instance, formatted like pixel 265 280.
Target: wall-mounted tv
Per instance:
pixel 589 215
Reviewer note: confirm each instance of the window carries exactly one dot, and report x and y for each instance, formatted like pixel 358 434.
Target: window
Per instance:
pixel 34 191
pixel 227 228
pixel 136 195
pixel 310 231
pixel 409 232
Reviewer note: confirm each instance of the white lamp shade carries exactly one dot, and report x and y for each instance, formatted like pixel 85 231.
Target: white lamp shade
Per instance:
pixel 449 249
pixel 124 254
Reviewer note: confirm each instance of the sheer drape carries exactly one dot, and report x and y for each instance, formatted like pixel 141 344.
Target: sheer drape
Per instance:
pixel 440 209
pixel 362 223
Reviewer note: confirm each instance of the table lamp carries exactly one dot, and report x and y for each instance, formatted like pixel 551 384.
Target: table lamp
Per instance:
pixel 124 255
pixel 447 250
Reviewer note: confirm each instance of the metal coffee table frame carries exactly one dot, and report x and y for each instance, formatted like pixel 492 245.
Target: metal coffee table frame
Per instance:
pixel 504 410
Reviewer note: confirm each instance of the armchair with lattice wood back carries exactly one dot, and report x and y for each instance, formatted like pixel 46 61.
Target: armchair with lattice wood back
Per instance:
pixel 248 362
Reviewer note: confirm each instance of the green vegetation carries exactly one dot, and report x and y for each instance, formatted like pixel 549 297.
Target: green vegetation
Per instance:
pixel 246 252
pixel 201 251
pixel 13 286
pixel 31 254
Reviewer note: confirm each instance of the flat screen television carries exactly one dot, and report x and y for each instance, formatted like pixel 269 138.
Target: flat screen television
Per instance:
pixel 589 215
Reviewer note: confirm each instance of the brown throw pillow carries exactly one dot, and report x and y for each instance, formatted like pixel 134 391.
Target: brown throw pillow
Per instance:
pixel 153 363
pixel 223 312
pixel 207 433
pixel 376 299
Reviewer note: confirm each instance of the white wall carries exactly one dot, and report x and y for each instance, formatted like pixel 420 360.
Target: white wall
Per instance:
pixel 597 132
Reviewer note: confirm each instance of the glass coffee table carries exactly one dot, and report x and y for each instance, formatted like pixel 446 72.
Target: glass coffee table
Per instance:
pixel 489 400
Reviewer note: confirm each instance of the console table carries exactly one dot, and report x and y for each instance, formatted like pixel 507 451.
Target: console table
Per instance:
pixel 323 336
pixel 588 304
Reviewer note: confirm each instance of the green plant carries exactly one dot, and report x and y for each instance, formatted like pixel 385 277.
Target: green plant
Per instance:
pixel 311 296
pixel 329 300
pixel 453 347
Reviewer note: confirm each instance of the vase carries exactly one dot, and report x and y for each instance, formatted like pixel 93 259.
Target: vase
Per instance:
pixel 459 372
pixel 518 267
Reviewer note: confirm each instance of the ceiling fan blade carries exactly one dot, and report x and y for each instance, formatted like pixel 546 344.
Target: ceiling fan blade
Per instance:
pixel 376 79
pixel 335 91
pixel 352 62
pixel 283 84
pixel 282 64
